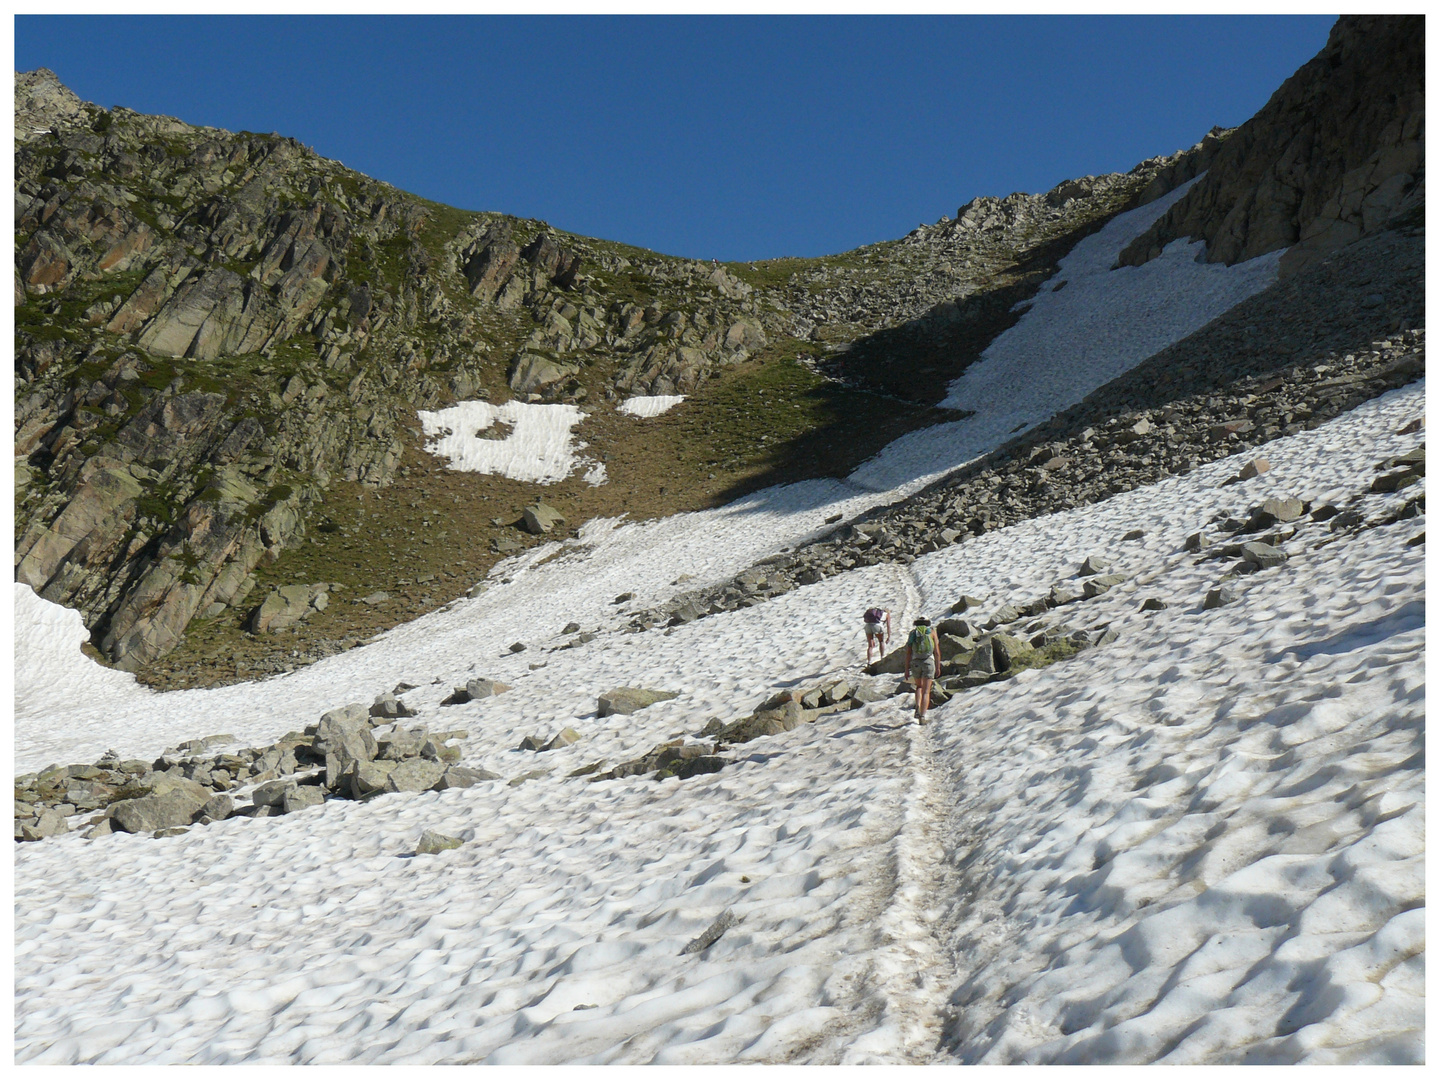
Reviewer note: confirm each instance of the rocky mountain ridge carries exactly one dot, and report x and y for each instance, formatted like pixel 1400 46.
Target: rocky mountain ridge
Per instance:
pixel 213 328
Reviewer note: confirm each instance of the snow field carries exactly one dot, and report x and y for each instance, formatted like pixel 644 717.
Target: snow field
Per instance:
pixel 652 405
pixel 540 447
pixel 337 946
pixel 1202 841
pixel 1074 339
pixel 1210 847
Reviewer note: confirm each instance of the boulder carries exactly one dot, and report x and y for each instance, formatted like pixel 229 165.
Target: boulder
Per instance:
pixel 1276 511
pixel 388 707
pixel 964 604
pixel 483 688
pixel 1063 592
pixel 1262 555
pixel 565 737
pixel 353 715
pixel 750 727
pixel 1394 481
pixel 1009 651
pixel 1196 542
pixel 1217 598
pixel 415 774
pixel 1097 586
pixel 982 661
pixel 302 797
pixel 1094 564
pixel 368 776
pixel 1253 469
pixel 458 776
pixel 866 694
pixel 432 843
pixel 533 372
pixel 218 808
pixel 892 663
pixel 1153 603
pixel 625 700
pixel 955 628
pixel 541 518
pixel 172 801
pixel 835 692
pixel 285 607
pixel 401 744
pixel 49 823
pixel 435 750
pixel 271 793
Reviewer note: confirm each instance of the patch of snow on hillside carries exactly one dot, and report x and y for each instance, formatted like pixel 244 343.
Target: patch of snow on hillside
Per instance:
pixel 1202 841
pixel 540 447
pixel 1074 339
pixel 653 405
pixel 52 675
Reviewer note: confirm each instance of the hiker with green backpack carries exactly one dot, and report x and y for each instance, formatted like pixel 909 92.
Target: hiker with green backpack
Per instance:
pixel 921 653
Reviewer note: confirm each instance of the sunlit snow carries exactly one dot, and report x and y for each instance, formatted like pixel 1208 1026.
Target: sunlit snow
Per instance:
pixel 653 405
pixel 1203 839
pixel 539 446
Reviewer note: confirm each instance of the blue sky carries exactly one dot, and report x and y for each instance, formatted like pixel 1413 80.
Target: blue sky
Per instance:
pixel 726 137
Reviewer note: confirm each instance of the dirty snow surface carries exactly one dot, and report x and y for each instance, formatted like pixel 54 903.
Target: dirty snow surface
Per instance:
pixel 652 405
pixel 519 440
pixel 1201 841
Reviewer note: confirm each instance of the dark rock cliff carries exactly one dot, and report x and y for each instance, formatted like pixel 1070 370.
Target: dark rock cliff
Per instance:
pixel 1335 154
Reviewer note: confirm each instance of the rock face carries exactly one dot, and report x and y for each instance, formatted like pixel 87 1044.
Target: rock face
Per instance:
pixel 1337 152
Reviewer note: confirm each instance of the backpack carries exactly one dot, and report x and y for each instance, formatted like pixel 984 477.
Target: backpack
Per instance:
pixel 875 615
pixel 920 641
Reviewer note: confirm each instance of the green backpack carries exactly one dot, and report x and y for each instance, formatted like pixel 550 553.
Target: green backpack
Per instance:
pixel 920 641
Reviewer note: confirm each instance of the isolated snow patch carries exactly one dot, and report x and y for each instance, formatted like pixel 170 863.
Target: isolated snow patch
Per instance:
pixel 650 406
pixel 540 447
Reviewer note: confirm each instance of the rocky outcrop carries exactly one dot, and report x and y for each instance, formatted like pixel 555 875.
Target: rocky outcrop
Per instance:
pixel 1336 153
pixel 43 103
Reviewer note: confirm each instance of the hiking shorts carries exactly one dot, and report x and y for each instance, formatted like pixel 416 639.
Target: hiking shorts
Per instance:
pixel 874 629
pixel 923 667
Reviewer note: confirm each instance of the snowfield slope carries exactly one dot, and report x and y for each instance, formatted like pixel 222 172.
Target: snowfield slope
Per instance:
pixel 1200 840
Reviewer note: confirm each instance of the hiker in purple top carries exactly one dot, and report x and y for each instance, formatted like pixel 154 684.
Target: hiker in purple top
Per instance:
pixel 877 631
